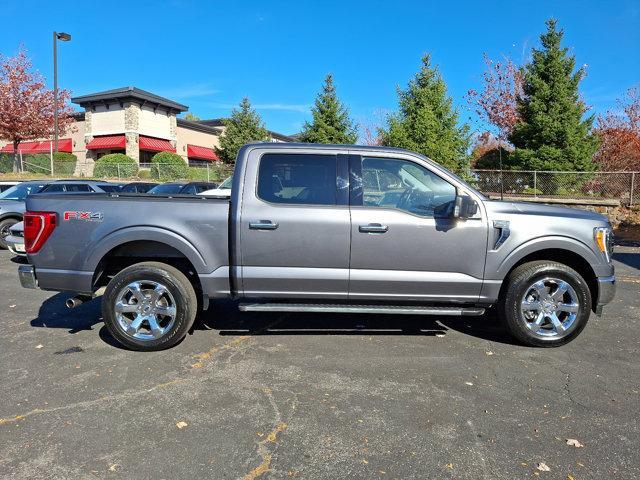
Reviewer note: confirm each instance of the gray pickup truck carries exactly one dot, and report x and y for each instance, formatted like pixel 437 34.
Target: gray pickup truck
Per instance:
pixel 323 228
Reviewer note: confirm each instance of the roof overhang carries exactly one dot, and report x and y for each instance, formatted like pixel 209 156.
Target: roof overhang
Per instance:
pixel 126 95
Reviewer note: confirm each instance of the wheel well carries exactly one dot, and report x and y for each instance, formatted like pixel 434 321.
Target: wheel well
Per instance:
pixel 12 216
pixel 130 253
pixel 568 258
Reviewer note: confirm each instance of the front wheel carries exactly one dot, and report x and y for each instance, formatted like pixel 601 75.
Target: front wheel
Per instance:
pixel 545 304
pixel 149 306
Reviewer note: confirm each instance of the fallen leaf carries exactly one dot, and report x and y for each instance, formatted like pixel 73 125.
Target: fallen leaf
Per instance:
pixel 449 465
pixel 570 477
pixel 365 462
pixel 543 467
pixel 39 346
pixel 181 424
pixel 574 443
pixel 113 468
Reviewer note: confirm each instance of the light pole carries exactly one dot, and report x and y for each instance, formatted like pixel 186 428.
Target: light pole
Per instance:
pixel 65 37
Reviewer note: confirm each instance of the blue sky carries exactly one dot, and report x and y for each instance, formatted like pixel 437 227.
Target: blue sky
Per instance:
pixel 208 55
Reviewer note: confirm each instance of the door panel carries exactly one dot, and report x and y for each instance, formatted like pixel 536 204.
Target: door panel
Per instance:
pixel 295 235
pixel 405 245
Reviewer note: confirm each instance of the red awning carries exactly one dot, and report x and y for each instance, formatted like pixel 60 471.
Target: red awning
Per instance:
pixel 155 144
pixel 23 147
pixel 110 141
pixel 64 145
pixel 204 153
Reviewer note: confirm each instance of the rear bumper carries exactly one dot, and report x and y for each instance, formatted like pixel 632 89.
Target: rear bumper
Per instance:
pixel 15 245
pixel 606 292
pixel 27 275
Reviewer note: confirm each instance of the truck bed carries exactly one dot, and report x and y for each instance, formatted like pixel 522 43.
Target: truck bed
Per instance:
pixel 89 226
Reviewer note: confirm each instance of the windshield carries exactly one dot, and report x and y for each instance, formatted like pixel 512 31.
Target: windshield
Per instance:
pixel 20 192
pixel 165 189
pixel 227 183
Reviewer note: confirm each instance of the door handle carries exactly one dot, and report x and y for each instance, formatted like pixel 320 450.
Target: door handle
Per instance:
pixel 373 228
pixel 263 225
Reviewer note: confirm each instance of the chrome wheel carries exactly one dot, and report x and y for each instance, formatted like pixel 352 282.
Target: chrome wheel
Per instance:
pixel 145 310
pixel 549 307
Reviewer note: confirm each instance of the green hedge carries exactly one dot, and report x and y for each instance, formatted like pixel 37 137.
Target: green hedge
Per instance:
pixel 167 166
pixel 6 163
pixel 115 165
pixel 64 164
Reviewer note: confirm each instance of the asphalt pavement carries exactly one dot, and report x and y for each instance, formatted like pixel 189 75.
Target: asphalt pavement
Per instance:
pixel 316 396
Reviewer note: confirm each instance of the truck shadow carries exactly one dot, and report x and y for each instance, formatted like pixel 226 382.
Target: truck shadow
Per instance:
pixel 54 314
pixel 225 318
pixel 628 258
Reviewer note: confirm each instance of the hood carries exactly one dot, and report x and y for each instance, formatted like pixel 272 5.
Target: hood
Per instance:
pixel 541 209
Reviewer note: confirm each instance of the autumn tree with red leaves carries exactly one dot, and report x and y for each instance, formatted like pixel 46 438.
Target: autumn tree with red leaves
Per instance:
pixel 620 135
pixel 496 103
pixel 26 105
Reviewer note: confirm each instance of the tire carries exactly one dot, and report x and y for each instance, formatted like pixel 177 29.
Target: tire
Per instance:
pixel 5 225
pixel 537 291
pixel 149 306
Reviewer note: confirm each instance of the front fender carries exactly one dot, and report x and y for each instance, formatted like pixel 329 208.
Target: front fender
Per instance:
pixel 502 267
pixel 104 245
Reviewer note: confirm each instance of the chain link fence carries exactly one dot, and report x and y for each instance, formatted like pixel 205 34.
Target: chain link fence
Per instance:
pixel 621 186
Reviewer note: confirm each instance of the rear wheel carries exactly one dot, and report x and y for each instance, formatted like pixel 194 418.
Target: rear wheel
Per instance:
pixel 149 306
pixel 546 304
pixel 5 225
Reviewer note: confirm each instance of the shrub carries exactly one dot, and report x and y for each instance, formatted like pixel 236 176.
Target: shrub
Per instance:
pixel 167 166
pixel 115 165
pixel 37 163
pixel 64 163
pixel 532 191
pixel 144 174
pixel 6 163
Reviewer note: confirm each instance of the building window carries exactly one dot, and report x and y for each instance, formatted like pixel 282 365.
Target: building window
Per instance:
pixel 145 158
pixel 196 162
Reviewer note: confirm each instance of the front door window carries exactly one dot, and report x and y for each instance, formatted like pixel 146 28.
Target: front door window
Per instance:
pixel 407 186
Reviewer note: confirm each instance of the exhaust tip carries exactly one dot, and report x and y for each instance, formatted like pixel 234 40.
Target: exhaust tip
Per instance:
pixel 75 302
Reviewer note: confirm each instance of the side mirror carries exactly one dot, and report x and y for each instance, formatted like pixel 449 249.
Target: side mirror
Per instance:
pixel 465 207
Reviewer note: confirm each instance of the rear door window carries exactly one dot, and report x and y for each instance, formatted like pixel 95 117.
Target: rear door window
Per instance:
pixel 298 179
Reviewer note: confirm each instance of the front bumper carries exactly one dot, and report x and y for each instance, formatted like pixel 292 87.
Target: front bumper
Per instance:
pixel 27 275
pixel 606 292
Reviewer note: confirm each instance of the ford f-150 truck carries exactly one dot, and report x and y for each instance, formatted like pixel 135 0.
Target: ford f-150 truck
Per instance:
pixel 323 228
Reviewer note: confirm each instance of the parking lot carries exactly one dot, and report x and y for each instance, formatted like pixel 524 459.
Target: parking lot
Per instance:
pixel 316 396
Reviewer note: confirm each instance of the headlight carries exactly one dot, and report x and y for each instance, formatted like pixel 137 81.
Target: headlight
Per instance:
pixel 604 241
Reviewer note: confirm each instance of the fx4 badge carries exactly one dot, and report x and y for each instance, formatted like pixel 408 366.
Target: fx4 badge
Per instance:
pixel 85 216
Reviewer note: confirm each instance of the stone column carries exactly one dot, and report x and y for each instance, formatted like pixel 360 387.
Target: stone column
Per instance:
pixel 131 128
pixel 85 169
pixel 132 146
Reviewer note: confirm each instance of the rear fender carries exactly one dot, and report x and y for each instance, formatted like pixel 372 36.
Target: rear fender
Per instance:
pixel 146 233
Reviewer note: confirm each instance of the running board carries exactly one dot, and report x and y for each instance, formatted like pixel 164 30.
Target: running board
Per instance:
pixel 336 308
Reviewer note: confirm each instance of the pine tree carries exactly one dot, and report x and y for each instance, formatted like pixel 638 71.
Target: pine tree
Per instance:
pixel 244 126
pixel 331 123
pixel 427 122
pixel 552 134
